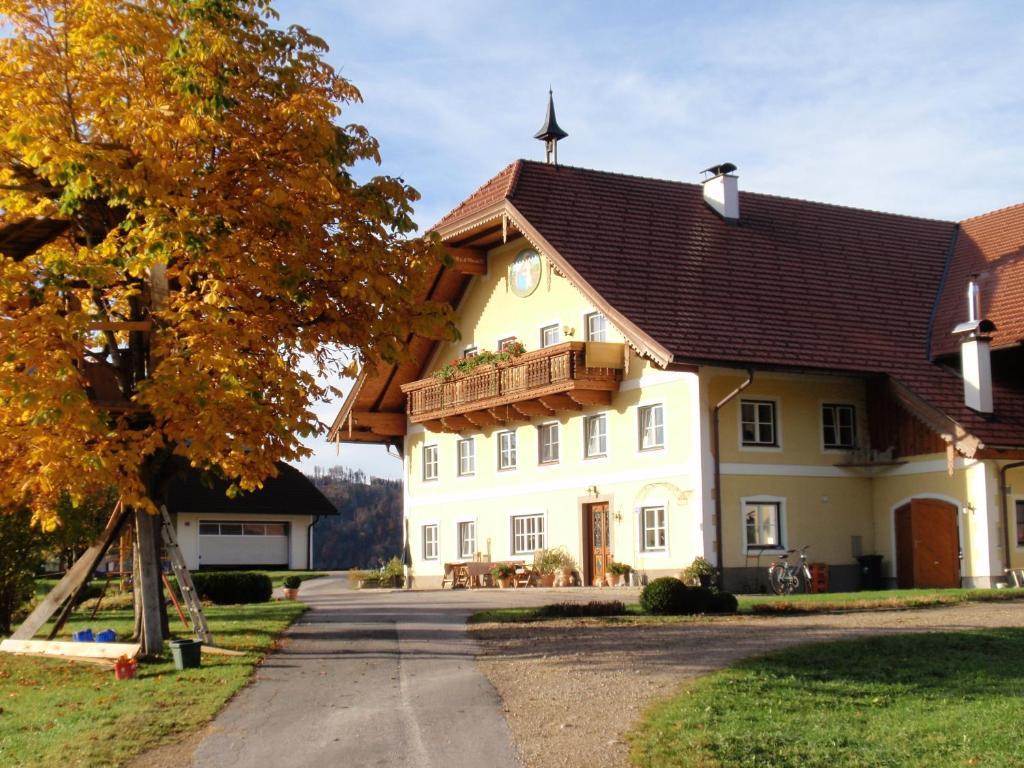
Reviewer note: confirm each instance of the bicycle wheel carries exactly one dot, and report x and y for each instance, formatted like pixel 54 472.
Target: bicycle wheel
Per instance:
pixel 777 580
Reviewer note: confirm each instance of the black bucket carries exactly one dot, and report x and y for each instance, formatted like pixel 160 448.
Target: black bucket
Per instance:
pixel 186 653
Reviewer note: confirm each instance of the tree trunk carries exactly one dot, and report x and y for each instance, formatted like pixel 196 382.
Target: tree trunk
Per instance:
pixel 149 610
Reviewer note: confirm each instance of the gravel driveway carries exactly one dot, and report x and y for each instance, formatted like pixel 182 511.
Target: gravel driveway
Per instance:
pixel 572 689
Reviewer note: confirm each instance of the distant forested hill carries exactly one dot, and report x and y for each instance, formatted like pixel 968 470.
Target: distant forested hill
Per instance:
pixel 368 527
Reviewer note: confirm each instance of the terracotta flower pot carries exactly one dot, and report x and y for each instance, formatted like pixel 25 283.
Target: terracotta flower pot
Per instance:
pixel 291 594
pixel 546 580
pixel 504 582
pixel 613 579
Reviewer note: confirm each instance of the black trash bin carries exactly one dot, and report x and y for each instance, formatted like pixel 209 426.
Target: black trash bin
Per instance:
pixel 870 572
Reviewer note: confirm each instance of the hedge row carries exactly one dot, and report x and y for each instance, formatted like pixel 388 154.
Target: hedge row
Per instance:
pixel 669 596
pixel 233 587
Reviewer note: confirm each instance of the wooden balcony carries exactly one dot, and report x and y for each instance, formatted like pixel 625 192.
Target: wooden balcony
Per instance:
pixel 536 384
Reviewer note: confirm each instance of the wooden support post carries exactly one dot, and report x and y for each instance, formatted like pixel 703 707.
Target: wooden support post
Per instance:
pixel 74 580
pixel 150 587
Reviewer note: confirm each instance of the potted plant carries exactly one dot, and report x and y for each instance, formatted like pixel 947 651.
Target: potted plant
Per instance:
pixel 552 564
pixel 502 575
pixel 291 587
pixel 699 573
pixel 615 573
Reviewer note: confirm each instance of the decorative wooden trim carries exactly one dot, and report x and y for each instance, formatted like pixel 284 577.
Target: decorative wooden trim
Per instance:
pixel 468 260
pixel 385 424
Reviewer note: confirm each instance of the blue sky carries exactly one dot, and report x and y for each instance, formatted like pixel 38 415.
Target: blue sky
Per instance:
pixel 909 107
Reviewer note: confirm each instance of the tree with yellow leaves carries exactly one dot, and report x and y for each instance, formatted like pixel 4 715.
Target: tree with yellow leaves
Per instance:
pixel 180 226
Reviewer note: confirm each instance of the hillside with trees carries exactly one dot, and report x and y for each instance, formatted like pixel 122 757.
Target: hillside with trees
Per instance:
pixel 368 527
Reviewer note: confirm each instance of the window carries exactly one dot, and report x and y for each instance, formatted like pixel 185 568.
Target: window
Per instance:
pixel 469 351
pixel 652 427
pixel 430 542
pixel 548 438
pixel 467 540
pixel 550 335
pixel 839 425
pixel 652 522
pixel 762 524
pixel 467 457
pixel 430 462
pixel 596 326
pixel 758 422
pixel 527 534
pixel 596 435
pixel 503 342
pixel 243 529
pixel 507 450
pixel 1020 523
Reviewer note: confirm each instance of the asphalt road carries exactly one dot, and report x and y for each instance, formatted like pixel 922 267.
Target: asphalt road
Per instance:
pixel 371 678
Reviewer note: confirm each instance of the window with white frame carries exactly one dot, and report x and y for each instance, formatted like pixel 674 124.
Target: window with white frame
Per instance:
pixel 1020 523
pixel 430 462
pixel 507 450
pixel 839 428
pixel 467 540
pixel 757 423
pixel 762 522
pixel 652 427
pixel 547 435
pixel 467 457
pixel 550 335
pixel 596 327
pixel 430 542
pixel 527 534
pixel 653 536
pixel 596 429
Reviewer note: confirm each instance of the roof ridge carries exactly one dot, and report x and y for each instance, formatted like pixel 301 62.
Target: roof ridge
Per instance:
pixel 993 212
pixel 744 192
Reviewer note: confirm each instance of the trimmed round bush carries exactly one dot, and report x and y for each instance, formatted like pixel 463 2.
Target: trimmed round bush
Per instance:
pixel 723 602
pixel 664 596
pixel 697 600
pixel 233 587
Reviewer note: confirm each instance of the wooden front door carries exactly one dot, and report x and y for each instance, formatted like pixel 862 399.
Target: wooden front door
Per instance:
pixel 599 540
pixel 927 544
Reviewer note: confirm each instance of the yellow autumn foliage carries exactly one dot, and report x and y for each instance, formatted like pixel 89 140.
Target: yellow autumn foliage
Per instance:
pixel 198 159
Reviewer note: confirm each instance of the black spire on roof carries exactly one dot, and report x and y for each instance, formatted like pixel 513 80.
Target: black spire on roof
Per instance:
pixel 550 130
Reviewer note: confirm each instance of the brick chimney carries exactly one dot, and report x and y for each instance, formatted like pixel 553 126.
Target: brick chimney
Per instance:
pixel 721 191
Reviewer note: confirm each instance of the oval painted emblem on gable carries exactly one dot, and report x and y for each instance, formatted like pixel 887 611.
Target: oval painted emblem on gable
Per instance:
pixel 524 273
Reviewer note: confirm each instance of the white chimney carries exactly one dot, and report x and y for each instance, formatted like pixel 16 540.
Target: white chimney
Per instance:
pixel 721 191
pixel 976 353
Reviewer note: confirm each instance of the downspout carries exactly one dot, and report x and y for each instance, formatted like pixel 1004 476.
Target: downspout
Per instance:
pixel 719 555
pixel 1006 511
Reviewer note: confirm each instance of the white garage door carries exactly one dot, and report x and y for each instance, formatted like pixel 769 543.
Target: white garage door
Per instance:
pixel 246 543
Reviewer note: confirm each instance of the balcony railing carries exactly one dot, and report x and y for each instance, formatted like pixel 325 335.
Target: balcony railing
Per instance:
pixel 561 369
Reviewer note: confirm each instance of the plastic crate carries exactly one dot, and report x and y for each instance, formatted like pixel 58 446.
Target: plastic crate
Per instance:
pixel 819 577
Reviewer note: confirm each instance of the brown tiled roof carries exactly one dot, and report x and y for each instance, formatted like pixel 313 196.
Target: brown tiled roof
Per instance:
pixel 992 247
pixel 793 284
pixel 493 191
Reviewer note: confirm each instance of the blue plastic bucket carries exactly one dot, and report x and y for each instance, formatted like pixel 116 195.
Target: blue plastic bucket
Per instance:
pixel 106 636
pixel 83 636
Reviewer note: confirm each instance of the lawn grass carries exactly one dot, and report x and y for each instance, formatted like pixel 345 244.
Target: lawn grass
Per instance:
pixel 56 713
pixel 913 701
pixel 828 602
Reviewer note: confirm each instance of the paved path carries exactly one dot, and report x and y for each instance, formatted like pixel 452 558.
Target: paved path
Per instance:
pixel 372 678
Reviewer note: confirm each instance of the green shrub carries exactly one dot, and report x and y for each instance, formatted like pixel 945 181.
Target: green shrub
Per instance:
pixel 552 560
pixel 233 587
pixel 663 596
pixel 392 574
pixel 573 610
pixel 292 582
pixel 723 602
pixel 697 600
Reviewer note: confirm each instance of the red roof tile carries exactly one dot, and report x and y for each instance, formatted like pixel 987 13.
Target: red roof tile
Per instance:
pixel 992 247
pixel 793 284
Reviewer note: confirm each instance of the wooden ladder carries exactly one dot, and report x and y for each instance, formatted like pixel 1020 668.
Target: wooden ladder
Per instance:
pixel 185 583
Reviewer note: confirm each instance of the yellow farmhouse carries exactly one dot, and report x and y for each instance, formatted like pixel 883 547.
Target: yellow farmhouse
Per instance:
pixel 651 371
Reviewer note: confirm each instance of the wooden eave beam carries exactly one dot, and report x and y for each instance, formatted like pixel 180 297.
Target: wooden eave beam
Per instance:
pixel 481 419
pixel 591 396
pixel 531 408
pixel 456 423
pixel 559 402
pixel 386 424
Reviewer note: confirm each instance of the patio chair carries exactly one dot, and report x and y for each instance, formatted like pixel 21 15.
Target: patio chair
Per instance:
pixel 524 577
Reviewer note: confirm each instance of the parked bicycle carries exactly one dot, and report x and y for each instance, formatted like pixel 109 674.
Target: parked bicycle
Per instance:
pixel 785 574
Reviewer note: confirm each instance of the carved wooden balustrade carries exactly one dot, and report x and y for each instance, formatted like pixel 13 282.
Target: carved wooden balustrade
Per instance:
pixel 535 384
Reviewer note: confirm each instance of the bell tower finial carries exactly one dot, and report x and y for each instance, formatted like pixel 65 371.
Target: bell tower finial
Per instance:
pixel 550 133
